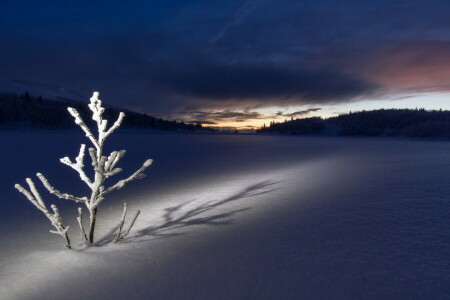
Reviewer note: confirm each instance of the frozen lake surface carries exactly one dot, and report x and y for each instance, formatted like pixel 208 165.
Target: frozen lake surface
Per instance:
pixel 236 217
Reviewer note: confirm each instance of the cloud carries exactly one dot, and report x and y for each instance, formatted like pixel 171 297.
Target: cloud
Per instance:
pixel 298 113
pixel 217 117
pixel 265 85
pixel 204 122
pixel 214 117
pixel 197 55
pixel 224 128
pixel 411 66
pixel 238 16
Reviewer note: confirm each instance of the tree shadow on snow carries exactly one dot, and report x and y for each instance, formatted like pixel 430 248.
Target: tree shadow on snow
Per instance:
pixel 182 216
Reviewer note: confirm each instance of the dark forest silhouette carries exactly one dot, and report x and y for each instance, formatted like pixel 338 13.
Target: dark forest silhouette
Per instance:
pixel 18 111
pixel 382 122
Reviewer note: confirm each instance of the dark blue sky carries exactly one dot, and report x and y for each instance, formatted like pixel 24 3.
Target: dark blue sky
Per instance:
pixel 192 58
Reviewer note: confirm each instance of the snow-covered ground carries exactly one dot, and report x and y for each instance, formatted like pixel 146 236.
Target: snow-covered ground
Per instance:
pixel 236 217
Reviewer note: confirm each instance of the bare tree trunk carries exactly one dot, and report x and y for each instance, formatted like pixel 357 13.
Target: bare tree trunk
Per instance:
pixel 66 236
pixel 92 225
pixel 83 234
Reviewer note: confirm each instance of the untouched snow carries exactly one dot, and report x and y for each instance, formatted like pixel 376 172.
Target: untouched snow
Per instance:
pixel 236 217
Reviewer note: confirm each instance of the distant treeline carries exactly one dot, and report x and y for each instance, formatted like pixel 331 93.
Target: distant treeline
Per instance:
pixel 382 122
pixel 27 111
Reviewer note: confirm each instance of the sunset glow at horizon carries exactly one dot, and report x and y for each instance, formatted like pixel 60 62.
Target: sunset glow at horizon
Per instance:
pixel 428 101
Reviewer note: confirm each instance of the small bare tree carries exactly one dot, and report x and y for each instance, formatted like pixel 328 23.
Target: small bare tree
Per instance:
pixel 104 167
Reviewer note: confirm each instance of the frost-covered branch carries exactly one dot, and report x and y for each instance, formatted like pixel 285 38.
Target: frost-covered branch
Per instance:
pixel 55 218
pixel 139 174
pixel 79 121
pixel 78 165
pixel 115 125
pixel 113 159
pixel 97 110
pixel 93 154
pixel 120 235
pixel 122 221
pixel 112 172
pixel 57 193
pixel 36 194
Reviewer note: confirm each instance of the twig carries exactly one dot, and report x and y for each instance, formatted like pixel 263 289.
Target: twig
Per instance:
pixel 121 236
pixel 122 221
pixel 136 175
pixel 79 121
pixel 78 166
pixel 54 191
pixel 115 125
pixel 55 218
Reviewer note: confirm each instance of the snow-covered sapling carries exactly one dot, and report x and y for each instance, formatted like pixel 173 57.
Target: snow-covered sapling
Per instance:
pixel 104 167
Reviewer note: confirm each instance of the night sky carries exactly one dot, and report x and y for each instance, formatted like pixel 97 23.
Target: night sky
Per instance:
pixel 234 63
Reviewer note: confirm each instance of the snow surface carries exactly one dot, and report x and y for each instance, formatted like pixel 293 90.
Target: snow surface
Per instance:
pixel 236 217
